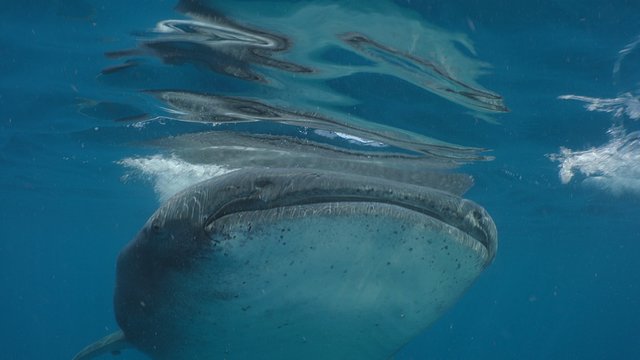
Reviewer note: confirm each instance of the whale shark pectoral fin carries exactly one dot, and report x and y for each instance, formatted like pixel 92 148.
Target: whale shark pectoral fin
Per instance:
pixel 112 343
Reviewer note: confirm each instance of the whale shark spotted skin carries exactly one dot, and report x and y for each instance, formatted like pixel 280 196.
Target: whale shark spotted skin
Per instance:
pixel 295 264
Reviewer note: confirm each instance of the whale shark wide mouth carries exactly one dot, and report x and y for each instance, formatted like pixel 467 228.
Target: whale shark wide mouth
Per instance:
pixel 338 190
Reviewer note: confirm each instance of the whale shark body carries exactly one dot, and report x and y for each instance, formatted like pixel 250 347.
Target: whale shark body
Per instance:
pixel 295 264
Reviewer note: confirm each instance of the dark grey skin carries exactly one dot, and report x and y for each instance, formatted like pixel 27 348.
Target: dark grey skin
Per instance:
pixel 190 230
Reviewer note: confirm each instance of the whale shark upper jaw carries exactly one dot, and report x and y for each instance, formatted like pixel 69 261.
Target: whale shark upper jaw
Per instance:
pixel 262 189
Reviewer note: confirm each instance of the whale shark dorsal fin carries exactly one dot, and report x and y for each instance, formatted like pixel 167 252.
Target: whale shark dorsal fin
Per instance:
pixel 112 343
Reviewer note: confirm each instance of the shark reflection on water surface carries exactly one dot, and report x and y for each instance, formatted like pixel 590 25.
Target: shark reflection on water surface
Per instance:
pixel 401 45
pixel 320 235
pixel 194 107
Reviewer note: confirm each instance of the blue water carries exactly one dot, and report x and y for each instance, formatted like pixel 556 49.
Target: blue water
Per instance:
pixel 565 282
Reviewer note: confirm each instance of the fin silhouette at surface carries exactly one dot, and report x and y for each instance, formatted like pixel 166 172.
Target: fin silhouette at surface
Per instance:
pixel 112 343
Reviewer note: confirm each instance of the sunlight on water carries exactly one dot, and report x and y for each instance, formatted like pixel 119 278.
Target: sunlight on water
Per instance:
pixel 614 166
pixel 624 105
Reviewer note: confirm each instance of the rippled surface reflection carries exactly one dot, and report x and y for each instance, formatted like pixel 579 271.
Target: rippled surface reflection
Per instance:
pixel 614 166
pixel 271 77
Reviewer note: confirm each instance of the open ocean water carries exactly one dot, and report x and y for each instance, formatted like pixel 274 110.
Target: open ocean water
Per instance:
pixel 539 101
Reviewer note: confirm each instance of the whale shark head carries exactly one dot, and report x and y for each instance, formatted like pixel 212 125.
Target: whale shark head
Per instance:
pixel 291 264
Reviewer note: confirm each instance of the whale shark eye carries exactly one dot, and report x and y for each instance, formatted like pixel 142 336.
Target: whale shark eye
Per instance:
pixel 155 226
pixel 262 183
pixel 477 215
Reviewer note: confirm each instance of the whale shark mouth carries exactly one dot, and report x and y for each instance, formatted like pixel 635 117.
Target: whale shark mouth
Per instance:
pixel 471 224
pixel 353 191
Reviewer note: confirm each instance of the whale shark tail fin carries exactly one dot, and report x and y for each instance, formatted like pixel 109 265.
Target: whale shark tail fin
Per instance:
pixel 112 343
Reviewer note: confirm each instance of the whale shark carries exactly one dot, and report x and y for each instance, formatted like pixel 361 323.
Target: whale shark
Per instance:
pixel 295 264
